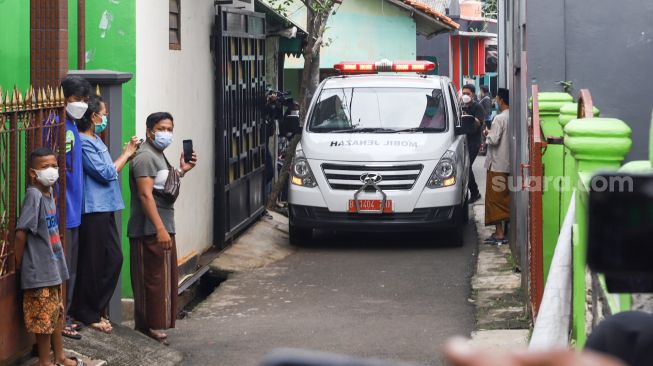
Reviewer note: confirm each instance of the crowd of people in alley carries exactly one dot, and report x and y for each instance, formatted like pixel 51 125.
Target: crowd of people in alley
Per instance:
pixel 91 263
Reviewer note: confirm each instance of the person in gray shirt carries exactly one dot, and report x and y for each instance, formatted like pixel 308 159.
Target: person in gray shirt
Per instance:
pixel 40 259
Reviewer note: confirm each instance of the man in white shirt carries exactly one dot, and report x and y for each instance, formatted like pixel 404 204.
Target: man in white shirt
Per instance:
pixel 497 164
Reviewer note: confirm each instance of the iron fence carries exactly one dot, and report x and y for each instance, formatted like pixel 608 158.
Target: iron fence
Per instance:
pixel 27 121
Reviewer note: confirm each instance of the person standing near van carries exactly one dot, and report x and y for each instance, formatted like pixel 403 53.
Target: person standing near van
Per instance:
pixel 471 107
pixel 497 163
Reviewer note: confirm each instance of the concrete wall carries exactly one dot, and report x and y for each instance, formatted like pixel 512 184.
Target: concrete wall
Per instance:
pixel 611 55
pixel 437 46
pixel 181 82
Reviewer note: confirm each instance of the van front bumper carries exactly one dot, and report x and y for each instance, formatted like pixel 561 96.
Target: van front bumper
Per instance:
pixel 419 219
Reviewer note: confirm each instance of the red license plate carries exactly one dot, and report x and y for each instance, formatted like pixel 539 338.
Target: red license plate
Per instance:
pixel 370 206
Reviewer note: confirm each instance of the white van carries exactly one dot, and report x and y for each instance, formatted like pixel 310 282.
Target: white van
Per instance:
pixel 381 152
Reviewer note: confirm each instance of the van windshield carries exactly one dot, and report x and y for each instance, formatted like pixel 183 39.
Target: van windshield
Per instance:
pixel 380 110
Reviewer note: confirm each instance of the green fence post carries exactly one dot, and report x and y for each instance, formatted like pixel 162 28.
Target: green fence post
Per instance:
pixel 568 112
pixel 552 161
pixel 594 143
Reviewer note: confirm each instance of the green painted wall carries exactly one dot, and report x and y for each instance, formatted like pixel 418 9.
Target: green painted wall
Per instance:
pixel 111 44
pixel 72 35
pixel 365 30
pixel 14 44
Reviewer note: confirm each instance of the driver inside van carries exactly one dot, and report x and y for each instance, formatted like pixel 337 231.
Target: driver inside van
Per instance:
pixel 433 114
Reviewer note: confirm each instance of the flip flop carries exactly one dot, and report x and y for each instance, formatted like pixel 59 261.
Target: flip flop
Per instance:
pixel 71 333
pixel 100 327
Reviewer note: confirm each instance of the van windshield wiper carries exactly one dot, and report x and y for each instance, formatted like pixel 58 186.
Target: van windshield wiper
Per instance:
pixel 363 130
pixel 420 129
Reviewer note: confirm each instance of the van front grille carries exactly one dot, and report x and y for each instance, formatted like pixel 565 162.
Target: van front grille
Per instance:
pixel 393 177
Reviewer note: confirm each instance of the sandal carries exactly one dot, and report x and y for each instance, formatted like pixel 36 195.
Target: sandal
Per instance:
pixel 106 322
pixel 100 327
pixel 159 337
pixel 78 362
pixel 69 332
pixel 490 238
pixel 77 325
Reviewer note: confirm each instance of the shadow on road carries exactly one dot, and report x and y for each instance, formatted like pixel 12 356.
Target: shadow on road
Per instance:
pixel 427 240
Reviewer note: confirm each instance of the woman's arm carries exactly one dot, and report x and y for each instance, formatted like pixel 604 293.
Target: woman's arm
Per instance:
pixel 127 153
pixel 145 186
pixel 95 166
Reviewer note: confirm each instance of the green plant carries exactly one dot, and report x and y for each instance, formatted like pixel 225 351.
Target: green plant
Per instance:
pixel 567 85
pixel 490 9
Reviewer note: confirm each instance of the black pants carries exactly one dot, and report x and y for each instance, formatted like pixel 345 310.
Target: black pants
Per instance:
pixel 72 258
pixel 474 147
pixel 98 270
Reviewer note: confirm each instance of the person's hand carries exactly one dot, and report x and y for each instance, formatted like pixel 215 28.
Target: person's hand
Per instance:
pixel 486 132
pixel 163 238
pixel 458 352
pixel 131 147
pixel 184 166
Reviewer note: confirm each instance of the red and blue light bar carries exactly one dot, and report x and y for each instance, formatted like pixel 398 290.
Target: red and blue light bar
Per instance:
pixel 354 67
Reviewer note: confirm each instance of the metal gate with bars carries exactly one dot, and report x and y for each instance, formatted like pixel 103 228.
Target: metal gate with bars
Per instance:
pixel 239 53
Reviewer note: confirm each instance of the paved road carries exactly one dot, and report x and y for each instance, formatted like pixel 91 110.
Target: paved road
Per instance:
pixel 390 296
pixel 396 297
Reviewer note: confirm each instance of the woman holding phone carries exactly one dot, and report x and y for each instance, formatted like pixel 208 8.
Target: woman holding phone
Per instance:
pixel 154 185
pixel 100 254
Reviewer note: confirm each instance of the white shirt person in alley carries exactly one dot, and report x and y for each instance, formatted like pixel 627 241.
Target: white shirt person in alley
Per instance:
pixel 497 164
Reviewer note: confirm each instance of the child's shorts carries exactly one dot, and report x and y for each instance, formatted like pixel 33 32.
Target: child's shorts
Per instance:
pixel 43 309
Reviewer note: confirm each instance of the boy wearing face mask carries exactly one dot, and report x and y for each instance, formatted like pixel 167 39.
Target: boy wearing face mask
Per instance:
pixel 40 259
pixel 76 91
pixel 100 254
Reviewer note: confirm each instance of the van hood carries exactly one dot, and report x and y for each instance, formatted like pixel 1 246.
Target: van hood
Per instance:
pixel 370 147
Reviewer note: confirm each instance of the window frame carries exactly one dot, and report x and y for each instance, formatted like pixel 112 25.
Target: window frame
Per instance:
pixel 174 45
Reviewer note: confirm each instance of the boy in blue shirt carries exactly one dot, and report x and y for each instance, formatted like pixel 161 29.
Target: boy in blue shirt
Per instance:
pixel 76 91
pixel 40 260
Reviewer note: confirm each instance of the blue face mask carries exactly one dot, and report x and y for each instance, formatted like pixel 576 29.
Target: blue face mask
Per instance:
pixel 102 126
pixel 162 139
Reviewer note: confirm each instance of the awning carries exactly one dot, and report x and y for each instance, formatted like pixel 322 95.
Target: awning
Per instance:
pixel 429 21
pixel 280 20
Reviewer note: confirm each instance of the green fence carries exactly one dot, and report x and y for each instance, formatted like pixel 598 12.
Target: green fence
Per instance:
pixel 577 148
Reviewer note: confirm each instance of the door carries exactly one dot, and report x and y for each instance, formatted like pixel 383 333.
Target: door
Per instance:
pixel 239 53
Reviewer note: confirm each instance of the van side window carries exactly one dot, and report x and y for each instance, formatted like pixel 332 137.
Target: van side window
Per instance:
pixel 454 105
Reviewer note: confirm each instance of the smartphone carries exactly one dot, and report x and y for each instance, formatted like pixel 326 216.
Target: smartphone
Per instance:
pixel 188 150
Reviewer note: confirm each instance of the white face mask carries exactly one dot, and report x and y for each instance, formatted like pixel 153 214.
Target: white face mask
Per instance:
pixel 466 99
pixel 48 176
pixel 76 109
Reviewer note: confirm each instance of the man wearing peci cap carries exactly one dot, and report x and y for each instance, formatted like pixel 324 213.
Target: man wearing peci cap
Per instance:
pixel 497 164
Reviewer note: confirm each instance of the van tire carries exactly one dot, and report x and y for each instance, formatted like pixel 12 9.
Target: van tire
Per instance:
pixel 465 211
pixel 299 236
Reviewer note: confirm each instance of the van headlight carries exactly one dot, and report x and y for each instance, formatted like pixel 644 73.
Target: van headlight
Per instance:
pixel 444 174
pixel 300 171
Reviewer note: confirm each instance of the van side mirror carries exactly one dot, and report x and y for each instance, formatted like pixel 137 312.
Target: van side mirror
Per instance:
pixel 467 125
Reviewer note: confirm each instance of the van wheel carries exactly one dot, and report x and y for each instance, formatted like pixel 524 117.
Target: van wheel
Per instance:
pixel 299 236
pixel 465 211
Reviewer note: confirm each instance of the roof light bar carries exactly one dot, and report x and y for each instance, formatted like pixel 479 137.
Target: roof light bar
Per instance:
pixel 383 66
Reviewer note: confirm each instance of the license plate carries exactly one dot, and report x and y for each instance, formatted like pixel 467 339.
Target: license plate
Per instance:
pixel 370 206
